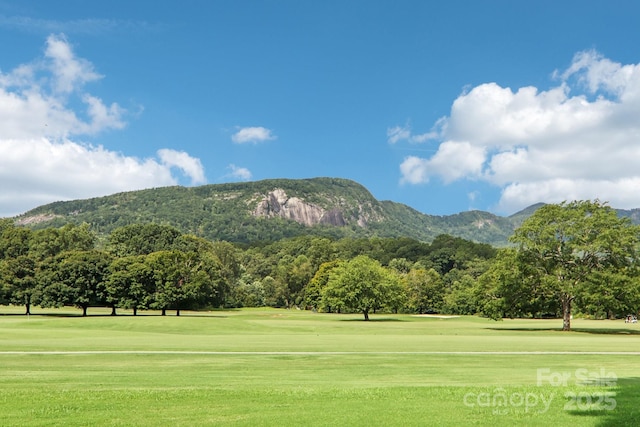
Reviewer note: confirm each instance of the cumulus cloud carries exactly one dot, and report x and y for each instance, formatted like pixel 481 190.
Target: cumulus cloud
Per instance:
pixel 243 174
pixel 34 97
pixel 253 135
pixel 577 140
pixel 40 159
pixel 37 171
pixel 190 166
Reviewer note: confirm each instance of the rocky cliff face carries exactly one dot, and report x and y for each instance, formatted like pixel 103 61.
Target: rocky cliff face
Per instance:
pixel 277 204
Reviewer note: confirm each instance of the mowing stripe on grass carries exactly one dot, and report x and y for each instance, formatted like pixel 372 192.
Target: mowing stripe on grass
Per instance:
pixel 325 353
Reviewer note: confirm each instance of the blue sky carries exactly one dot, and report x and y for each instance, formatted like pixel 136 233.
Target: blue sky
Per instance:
pixel 445 106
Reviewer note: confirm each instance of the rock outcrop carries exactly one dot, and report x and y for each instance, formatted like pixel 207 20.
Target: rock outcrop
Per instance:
pixel 277 204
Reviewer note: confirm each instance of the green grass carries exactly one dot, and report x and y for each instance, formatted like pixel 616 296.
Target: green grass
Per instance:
pixel 278 367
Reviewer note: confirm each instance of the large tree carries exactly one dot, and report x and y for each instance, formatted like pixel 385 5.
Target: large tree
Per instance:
pixel 425 290
pixel 565 250
pixel 17 268
pixel 17 276
pixel 363 285
pixel 74 278
pixel 180 282
pixel 50 242
pixel 131 283
pixel 313 290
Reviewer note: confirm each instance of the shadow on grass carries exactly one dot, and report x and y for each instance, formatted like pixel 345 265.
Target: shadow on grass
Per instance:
pixel 374 319
pixel 597 331
pixel 79 314
pixel 621 408
pixel 42 314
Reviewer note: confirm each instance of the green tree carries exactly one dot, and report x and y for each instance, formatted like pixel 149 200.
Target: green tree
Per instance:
pixel 17 268
pixel 461 298
pixel 320 250
pixel 50 242
pixel 294 274
pixel 363 285
pixel 142 239
pixel 609 293
pixel 19 277
pixel 275 292
pixel 130 284
pixel 179 280
pixel 563 247
pixel 74 278
pixel 14 241
pixel 401 265
pixel 313 291
pixel 425 290
pixel 225 270
pixel 513 287
pixel 250 294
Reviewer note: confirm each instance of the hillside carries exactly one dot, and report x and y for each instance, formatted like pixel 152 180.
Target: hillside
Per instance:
pixel 270 210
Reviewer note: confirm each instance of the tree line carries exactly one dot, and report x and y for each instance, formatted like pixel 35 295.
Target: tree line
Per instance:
pixel 570 258
pixel 155 267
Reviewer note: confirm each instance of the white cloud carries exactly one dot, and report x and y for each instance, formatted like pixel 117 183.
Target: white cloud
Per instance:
pixel 253 134
pixel 69 72
pixel 190 166
pixel 454 160
pixel 34 97
pixel 39 160
pixel 38 171
pixel 404 133
pixel 580 139
pixel 415 170
pixel 243 174
pixel 398 133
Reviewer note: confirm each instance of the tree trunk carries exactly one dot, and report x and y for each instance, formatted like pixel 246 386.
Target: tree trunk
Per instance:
pixel 84 311
pixel 566 313
pixel 135 311
pixel 178 312
pixel 113 310
pixel 28 308
pixel 366 314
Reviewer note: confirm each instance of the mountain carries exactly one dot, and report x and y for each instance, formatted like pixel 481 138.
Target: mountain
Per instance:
pixel 269 210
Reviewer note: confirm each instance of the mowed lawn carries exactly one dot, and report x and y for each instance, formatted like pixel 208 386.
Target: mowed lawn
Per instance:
pixel 289 367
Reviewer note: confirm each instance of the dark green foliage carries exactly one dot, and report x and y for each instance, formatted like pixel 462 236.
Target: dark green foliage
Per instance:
pixel 425 290
pixel 362 285
pixel 18 276
pixel 314 290
pixel 14 241
pixel 579 255
pixel 225 212
pixel 142 239
pixel 184 271
pixel 131 283
pixel 50 242
pixel 75 278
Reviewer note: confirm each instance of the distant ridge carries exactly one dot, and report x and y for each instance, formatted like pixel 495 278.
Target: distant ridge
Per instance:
pixel 269 210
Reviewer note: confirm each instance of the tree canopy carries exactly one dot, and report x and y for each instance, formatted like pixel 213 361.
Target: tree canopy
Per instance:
pixel 577 257
pixel 572 253
pixel 362 284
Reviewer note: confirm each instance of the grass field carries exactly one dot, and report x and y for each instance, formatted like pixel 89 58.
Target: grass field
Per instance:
pixel 279 367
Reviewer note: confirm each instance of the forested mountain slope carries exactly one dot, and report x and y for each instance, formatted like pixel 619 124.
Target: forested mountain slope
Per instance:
pixel 270 210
